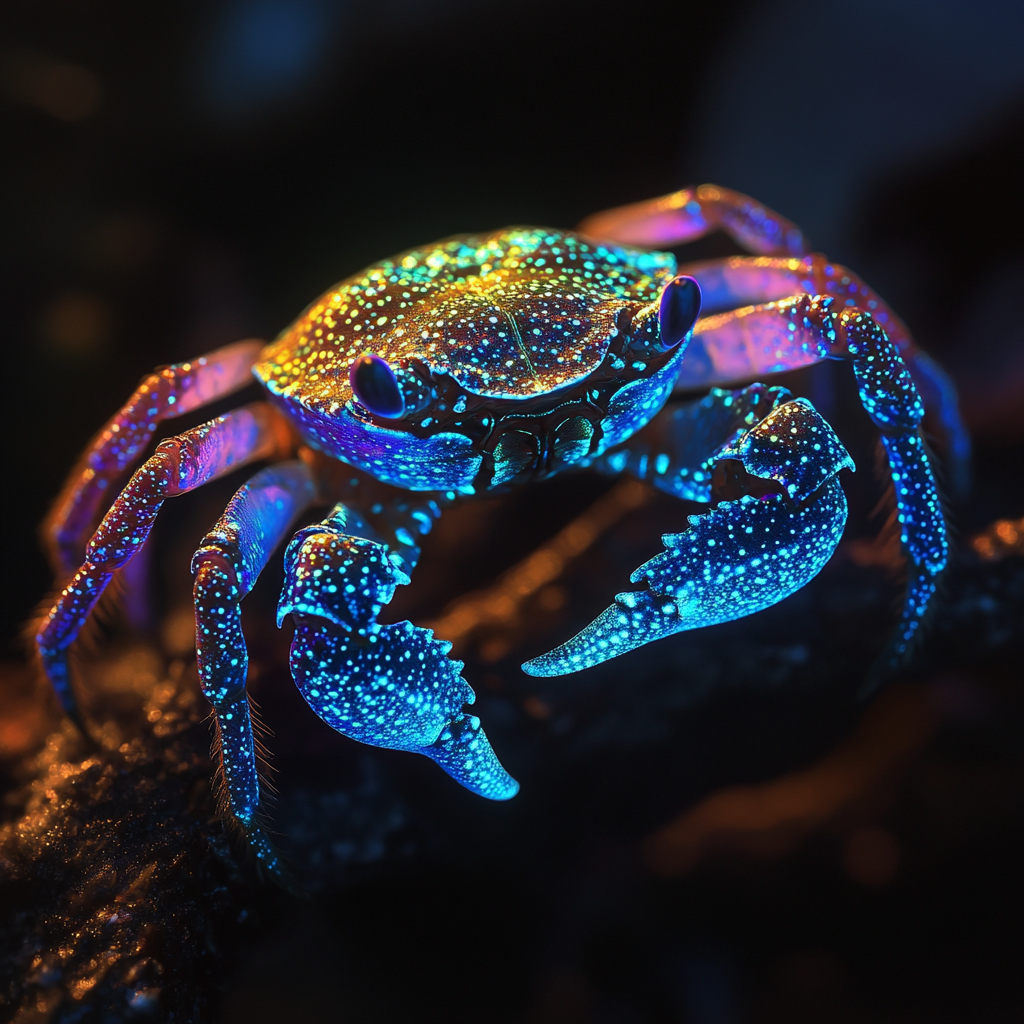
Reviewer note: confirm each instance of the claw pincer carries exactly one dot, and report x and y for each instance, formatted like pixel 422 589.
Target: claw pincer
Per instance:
pixel 738 558
pixel 386 685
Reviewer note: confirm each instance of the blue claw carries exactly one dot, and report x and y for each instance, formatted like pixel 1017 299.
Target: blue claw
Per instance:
pixel 392 685
pixel 465 753
pixel 396 687
pixel 738 558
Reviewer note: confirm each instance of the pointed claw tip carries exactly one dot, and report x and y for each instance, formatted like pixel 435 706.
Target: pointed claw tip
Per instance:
pixel 547 665
pixel 500 792
pixel 466 754
pixel 511 791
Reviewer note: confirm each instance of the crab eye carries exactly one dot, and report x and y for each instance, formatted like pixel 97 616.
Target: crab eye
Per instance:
pixel 678 310
pixel 375 385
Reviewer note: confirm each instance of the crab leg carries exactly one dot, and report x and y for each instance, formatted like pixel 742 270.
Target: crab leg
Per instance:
pixel 180 464
pixel 743 555
pixel 164 394
pixel 745 280
pixel 774 274
pixel 226 567
pixel 387 685
pixel 691 213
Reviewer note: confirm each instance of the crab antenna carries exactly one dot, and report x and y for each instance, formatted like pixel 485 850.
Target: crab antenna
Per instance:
pixel 375 385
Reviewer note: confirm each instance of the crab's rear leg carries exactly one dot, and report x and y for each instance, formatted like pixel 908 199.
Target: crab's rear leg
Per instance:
pixel 180 464
pixel 784 521
pixel 387 685
pixel 226 566
pixel 691 213
pixel 164 394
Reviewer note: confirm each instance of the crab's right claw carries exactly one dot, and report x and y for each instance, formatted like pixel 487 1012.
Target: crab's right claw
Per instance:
pixel 738 558
pixel 391 685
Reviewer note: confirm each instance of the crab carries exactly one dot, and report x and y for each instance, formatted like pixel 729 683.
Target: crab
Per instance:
pixel 480 363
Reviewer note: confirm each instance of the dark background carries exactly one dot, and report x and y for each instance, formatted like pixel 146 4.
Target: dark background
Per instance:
pixel 178 176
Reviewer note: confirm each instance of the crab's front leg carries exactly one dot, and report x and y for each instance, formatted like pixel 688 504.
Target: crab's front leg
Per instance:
pixel 745 554
pixel 387 685
pixel 719 352
pixel 783 267
pixel 226 566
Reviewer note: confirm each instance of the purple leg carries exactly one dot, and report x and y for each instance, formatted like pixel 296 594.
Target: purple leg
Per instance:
pixel 775 273
pixel 693 212
pixel 743 281
pixel 803 330
pixel 226 566
pixel 180 464
pixel 172 391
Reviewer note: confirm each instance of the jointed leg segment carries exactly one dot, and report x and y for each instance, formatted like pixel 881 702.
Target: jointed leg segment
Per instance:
pixel 783 267
pixel 693 212
pixel 226 566
pixel 741 281
pixel 179 464
pixel 678 451
pixel 164 394
pixel 779 335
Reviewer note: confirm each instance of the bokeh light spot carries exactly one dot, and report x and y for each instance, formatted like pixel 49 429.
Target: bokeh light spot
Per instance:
pixel 66 91
pixel 76 323
pixel 262 51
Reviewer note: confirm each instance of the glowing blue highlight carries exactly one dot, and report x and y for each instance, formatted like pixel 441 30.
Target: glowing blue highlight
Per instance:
pixel 636 404
pixel 441 462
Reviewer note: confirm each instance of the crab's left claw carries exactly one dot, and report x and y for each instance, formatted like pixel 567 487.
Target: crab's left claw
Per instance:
pixel 387 685
pixel 739 557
